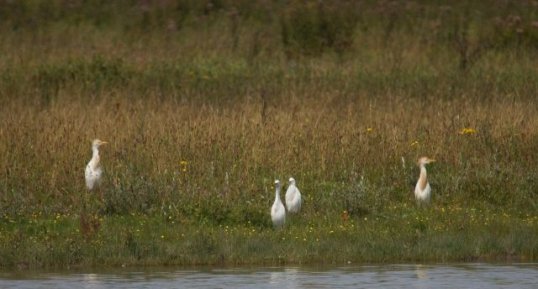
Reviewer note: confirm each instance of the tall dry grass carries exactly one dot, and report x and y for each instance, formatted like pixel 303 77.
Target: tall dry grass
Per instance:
pixel 326 140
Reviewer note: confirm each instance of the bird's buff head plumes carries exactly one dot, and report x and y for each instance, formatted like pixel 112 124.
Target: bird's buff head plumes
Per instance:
pixel 277 183
pixel 98 142
pixel 292 181
pixel 425 160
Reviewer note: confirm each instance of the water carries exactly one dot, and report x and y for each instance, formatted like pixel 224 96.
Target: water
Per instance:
pixel 386 276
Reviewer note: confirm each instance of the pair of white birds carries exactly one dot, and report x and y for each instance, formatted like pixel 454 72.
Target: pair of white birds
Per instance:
pixel 293 203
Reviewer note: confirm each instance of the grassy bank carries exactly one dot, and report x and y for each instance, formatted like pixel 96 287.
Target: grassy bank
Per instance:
pixel 400 234
pixel 204 105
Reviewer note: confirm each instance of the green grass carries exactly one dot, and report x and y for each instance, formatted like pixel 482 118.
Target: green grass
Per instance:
pixel 206 103
pixel 399 234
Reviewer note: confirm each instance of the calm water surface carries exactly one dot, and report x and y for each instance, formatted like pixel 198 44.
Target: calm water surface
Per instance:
pixel 385 276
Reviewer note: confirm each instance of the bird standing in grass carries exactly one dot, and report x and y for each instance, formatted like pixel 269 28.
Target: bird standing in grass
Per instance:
pixel 278 212
pixel 93 169
pixel 293 197
pixel 423 190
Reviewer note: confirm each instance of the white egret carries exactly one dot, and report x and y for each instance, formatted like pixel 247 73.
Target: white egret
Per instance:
pixel 93 169
pixel 278 212
pixel 423 190
pixel 293 197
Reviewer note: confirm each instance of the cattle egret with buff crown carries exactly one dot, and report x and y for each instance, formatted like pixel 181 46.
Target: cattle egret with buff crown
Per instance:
pixel 423 190
pixel 93 169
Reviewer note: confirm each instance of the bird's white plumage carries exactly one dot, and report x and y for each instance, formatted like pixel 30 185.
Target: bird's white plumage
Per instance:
pixel 93 170
pixel 424 195
pixel 293 197
pixel 423 190
pixel 278 212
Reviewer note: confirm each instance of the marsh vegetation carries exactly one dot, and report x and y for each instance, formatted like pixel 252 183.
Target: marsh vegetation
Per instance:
pixel 206 103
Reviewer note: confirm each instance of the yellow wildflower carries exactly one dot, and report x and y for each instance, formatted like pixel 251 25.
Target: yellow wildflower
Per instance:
pixel 183 165
pixel 467 130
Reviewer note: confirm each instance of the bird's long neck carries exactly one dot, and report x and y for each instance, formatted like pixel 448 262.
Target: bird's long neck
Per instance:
pixel 277 194
pixel 423 178
pixel 95 157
